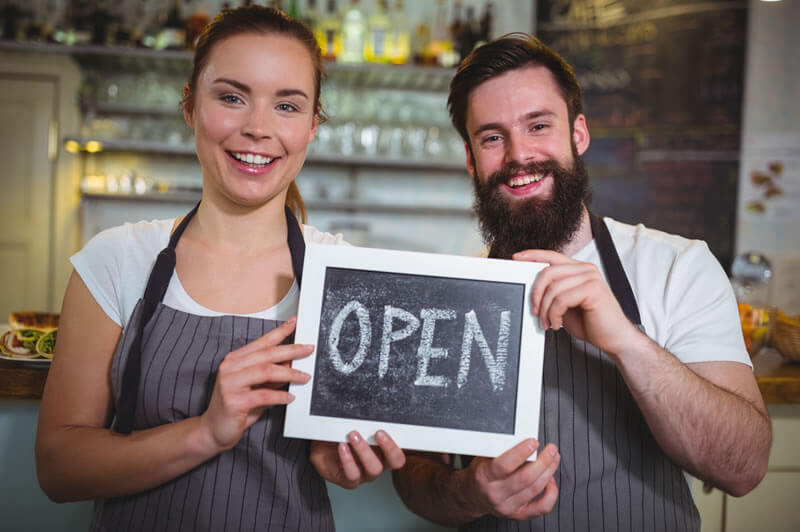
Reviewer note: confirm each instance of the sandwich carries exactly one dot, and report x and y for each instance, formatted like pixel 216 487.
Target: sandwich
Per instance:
pixel 32 335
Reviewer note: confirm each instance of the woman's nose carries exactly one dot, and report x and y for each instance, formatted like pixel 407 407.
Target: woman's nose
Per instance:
pixel 258 124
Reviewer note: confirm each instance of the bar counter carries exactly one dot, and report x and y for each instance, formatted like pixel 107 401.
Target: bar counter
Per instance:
pixel 778 379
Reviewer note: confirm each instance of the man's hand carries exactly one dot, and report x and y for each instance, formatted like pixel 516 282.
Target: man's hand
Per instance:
pixel 574 295
pixel 351 464
pixel 511 487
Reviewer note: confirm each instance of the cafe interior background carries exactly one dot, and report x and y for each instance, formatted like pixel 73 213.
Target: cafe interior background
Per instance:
pixel 691 106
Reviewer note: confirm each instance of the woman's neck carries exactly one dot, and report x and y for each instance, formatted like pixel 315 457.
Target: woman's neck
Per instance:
pixel 237 229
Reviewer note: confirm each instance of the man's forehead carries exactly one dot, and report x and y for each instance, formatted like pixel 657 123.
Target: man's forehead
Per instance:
pixel 518 94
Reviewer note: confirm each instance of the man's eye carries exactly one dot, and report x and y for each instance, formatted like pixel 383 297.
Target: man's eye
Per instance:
pixel 538 127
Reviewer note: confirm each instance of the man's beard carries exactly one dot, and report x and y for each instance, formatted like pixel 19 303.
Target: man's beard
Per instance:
pixel 533 223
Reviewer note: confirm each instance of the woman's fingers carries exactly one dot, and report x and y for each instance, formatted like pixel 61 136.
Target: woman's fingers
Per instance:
pixel 350 469
pixel 393 456
pixel 273 355
pixel 260 374
pixel 272 338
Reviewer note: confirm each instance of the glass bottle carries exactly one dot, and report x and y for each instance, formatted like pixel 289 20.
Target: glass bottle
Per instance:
pixel 751 275
pixel 99 22
pixel 400 39
pixel 12 16
pixel 329 32
pixel 377 46
pixel 173 34
pixel 195 24
pixel 311 14
pixel 354 33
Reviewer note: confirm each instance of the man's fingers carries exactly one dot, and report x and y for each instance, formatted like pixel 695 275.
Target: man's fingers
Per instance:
pixel 508 462
pixel 559 297
pixel 542 255
pixel 539 506
pixel 553 274
pixel 529 482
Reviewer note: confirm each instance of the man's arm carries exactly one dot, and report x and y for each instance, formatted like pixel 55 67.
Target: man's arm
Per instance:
pixel 507 486
pixel 708 417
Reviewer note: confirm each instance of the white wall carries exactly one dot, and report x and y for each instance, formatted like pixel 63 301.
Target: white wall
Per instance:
pixel 771 132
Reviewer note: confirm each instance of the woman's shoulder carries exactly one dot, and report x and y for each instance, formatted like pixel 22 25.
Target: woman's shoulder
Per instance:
pixel 313 235
pixel 131 237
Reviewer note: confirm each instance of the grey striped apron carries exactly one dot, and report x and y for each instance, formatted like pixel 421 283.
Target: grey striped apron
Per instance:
pixel 164 371
pixel 613 475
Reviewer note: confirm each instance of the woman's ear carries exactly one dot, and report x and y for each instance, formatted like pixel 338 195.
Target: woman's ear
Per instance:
pixel 188 105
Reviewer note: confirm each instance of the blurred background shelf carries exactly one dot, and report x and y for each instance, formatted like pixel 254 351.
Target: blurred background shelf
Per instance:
pixel 179 62
pixel 162 148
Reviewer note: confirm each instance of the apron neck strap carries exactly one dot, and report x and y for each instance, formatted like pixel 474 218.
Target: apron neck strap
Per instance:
pixel 615 273
pixel 297 245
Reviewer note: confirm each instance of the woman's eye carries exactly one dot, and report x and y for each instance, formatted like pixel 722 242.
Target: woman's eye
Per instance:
pixel 230 98
pixel 286 107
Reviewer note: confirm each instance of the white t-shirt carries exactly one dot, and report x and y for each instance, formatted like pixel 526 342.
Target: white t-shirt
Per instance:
pixel 685 300
pixel 115 265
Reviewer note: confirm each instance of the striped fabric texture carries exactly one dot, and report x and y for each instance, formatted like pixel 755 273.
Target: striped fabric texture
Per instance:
pixel 613 475
pixel 266 482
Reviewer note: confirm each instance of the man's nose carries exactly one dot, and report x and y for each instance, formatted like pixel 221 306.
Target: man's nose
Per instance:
pixel 518 150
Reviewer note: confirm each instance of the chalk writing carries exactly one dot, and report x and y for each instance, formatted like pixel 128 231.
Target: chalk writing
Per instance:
pixel 473 334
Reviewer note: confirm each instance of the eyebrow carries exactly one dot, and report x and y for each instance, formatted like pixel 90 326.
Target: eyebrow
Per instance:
pixel 246 88
pixel 527 117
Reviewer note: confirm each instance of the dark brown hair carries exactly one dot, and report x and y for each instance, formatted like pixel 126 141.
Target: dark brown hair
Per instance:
pixel 510 52
pixel 258 20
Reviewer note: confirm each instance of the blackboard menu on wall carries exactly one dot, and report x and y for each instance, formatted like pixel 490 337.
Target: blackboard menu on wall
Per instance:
pixel 662 82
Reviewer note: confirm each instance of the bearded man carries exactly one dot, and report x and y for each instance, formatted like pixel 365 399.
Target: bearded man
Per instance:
pixel 646 378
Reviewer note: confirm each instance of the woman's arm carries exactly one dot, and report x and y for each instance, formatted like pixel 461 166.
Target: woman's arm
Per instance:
pixel 78 458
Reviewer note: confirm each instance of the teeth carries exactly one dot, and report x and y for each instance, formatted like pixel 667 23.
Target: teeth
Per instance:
pixel 522 180
pixel 249 158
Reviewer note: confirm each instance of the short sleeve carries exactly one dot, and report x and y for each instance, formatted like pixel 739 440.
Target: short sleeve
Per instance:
pixel 99 264
pixel 312 235
pixel 703 319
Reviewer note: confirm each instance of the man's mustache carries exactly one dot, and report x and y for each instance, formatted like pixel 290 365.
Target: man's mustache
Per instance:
pixel 506 172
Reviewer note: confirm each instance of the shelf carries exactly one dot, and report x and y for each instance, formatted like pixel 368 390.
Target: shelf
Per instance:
pixel 178 62
pixel 192 195
pixel 130 109
pixel 161 148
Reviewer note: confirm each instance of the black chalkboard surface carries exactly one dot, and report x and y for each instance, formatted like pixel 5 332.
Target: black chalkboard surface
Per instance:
pixel 442 352
pixel 418 349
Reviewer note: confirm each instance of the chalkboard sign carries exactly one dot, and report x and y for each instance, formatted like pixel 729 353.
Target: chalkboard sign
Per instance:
pixel 442 352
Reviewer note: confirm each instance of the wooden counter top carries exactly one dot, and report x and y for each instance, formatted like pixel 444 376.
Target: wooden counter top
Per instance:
pixel 18 381
pixel 778 379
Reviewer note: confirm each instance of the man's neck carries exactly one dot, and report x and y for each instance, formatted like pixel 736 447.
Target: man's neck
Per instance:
pixel 581 237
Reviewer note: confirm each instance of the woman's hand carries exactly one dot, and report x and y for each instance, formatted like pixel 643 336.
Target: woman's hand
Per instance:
pixel 336 462
pixel 249 380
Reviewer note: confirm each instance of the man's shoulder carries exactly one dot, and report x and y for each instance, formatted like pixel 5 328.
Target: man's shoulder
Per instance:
pixel 648 243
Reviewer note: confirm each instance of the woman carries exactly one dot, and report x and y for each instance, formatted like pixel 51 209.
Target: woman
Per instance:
pixel 191 376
